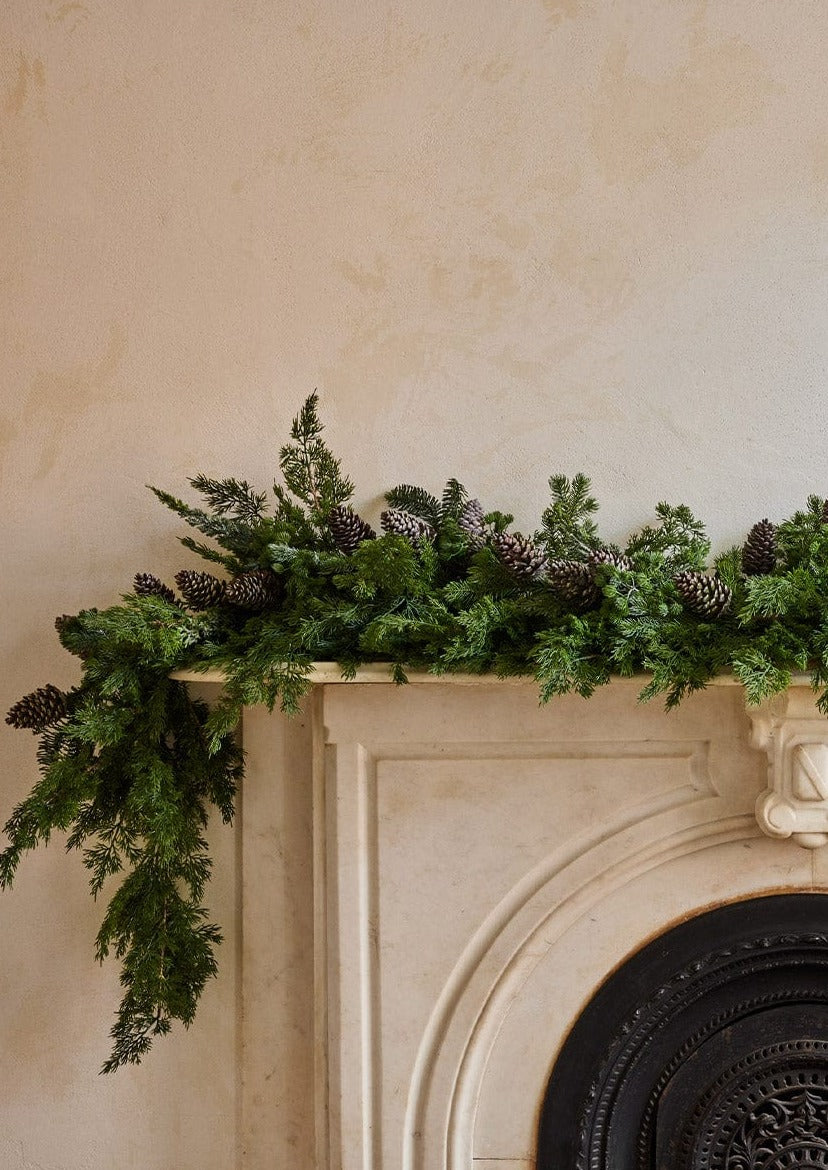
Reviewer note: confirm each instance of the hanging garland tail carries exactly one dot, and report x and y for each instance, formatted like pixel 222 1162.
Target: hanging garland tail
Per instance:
pixel 132 764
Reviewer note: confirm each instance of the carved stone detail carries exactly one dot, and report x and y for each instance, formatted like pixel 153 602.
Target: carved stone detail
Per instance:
pixel 795 736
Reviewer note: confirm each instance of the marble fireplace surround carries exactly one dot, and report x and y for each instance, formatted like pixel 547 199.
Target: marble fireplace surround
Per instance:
pixel 435 878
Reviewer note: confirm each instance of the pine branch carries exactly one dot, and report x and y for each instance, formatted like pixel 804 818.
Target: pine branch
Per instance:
pixel 243 537
pixel 768 596
pixel 228 561
pixel 231 495
pixel 417 501
pixel 569 659
pixel 454 497
pixel 759 675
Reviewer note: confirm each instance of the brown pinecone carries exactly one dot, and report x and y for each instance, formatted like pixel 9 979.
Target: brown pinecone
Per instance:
pixel 38 710
pixel 609 556
pixel 200 590
pixel 759 550
pixel 404 524
pixel 257 589
pixel 574 582
pixel 348 529
pixel 472 521
pixel 702 593
pixel 522 558
pixel 148 585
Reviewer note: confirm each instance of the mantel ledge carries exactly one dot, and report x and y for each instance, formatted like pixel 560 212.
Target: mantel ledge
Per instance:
pixel 328 673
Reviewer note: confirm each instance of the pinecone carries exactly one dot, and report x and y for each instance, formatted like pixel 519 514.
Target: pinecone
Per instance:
pixel 38 710
pixel 521 557
pixel 348 529
pixel 759 550
pixel 471 520
pixel 256 589
pixel 703 594
pixel 608 556
pixel 200 590
pixel 574 582
pixel 148 585
pixel 404 524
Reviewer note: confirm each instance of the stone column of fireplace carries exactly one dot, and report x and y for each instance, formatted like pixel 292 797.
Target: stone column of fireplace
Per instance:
pixel 479 865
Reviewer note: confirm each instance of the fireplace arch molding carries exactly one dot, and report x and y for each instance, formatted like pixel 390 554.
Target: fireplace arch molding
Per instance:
pixel 707 1049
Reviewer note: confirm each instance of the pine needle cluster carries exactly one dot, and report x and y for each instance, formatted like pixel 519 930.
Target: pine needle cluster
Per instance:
pixel 132 765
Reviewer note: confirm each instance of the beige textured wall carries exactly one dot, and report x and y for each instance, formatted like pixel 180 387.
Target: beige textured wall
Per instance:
pixel 503 237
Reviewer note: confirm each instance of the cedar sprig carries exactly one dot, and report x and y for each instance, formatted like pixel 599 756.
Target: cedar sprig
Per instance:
pixel 310 470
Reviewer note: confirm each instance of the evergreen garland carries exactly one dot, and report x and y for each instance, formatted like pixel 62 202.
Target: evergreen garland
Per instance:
pixel 131 764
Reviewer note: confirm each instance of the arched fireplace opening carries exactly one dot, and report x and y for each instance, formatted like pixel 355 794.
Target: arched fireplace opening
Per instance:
pixel 705 1050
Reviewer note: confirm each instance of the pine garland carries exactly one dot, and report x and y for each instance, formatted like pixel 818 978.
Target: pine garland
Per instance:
pixel 131 764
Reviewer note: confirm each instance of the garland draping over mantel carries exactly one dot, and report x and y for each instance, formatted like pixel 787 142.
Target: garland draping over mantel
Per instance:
pixel 132 763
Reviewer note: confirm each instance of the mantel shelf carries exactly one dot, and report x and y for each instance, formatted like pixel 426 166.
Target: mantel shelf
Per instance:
pixel 326 673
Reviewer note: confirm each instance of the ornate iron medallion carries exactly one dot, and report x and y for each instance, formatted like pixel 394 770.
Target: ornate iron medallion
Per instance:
pixel 769 1112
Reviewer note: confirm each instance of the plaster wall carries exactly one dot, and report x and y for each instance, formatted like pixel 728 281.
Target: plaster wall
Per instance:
pixel 502 238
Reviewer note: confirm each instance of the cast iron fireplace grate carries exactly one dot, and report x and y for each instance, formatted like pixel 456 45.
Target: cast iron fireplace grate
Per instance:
pixel 706 1050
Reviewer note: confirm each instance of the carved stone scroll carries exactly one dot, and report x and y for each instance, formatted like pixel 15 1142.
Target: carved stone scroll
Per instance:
pixel 795 736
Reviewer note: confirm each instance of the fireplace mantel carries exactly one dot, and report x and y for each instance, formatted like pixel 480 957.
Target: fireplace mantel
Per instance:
pixel 330 674
pixel 435 879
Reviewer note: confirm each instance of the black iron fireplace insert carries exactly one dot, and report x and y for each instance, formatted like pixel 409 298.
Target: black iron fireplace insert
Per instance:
pixel 705 1050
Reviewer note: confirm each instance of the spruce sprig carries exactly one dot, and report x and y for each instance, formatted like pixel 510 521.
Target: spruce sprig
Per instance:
pixel 679 539
pixel 803 538
pixel 567 531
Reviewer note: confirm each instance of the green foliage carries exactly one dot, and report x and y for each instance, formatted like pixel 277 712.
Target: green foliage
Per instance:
pixel 801 539
pixel 454 497
pixel 678 539
pixel 243 539
pixel 569 658
pixel 236 519
pixel 419 502
pixel 231 495
pixel 310 470
pixel 567 531
pixel 415 500
pixel 132 770
pixel 129 774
